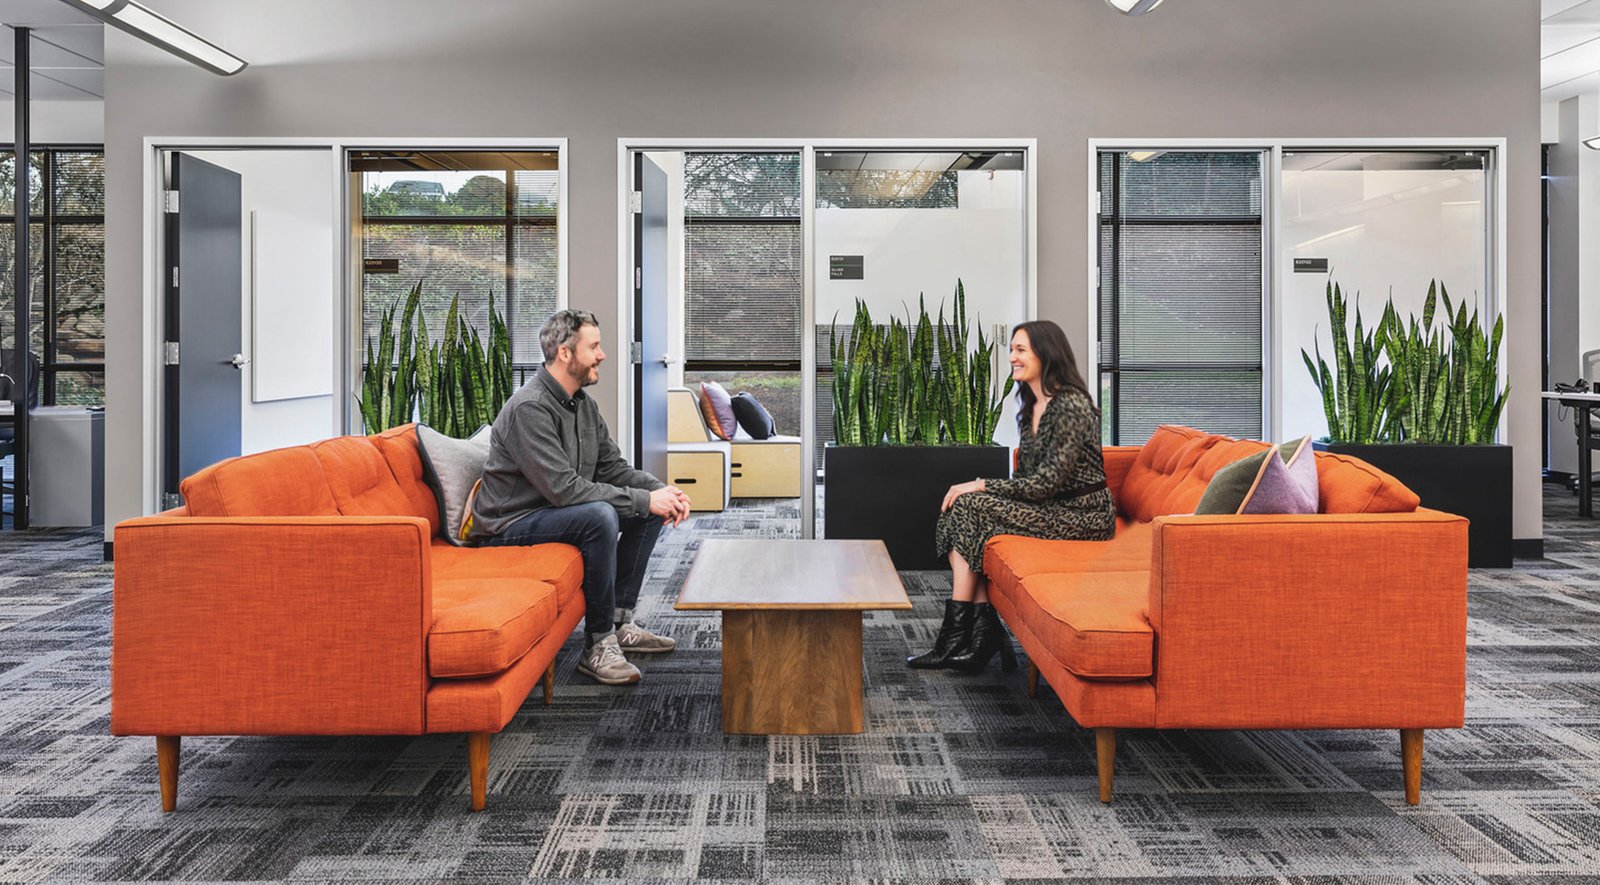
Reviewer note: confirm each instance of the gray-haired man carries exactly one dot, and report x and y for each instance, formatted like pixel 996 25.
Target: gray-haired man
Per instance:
pixel 554 475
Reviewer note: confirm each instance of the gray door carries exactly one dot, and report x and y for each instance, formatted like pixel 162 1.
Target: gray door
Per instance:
pixel 203 266
pixel 650 317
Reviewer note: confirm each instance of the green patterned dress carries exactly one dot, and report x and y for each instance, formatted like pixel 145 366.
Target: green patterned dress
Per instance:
pixel 1062 458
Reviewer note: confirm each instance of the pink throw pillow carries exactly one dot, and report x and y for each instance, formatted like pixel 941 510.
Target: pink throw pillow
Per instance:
pixel 1285 486
pixel 721 407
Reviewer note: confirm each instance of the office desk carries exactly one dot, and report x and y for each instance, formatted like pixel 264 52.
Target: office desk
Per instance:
pixel 1585 404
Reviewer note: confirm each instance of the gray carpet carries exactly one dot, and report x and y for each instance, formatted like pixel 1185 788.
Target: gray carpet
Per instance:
pixel 956 778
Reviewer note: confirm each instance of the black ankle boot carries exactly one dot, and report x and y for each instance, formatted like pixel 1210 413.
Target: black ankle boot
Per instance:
pixel 988 636
pixel 954 635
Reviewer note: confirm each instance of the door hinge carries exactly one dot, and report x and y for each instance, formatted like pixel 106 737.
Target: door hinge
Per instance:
pixel 636 352
pixel 635 201
pixel 638 277
pixel 171 500
pixel 169 201
pixel 169 353
pixel 174 276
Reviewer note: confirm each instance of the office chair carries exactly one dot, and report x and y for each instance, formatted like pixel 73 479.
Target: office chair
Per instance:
pixel 33 379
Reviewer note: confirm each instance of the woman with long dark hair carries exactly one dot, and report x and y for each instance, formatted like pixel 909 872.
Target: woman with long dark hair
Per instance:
pixel 1058 492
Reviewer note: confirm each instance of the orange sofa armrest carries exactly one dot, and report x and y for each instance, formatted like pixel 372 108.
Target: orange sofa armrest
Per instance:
pixel 1118 460
pixel 1324 621
pixel 270 625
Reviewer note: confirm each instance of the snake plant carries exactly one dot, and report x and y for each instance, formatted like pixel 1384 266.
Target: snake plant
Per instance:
pixel 454 386
pixel 914 383
pixel 1428 391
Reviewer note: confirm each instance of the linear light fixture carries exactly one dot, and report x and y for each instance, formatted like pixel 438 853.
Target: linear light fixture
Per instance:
pixel 1133 7
pixel 158 30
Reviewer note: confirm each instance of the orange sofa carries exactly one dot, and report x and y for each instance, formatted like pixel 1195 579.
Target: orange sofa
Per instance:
pixel 307 591
pixel 1355 617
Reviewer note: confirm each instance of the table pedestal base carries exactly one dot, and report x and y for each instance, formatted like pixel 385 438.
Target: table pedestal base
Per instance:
pixel 791 672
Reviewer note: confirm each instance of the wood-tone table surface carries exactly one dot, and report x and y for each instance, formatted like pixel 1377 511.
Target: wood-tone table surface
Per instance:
pixel 791 628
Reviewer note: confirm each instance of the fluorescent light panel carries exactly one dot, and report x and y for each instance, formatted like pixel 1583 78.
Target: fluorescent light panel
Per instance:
pixel 1133 7
pixel 158 30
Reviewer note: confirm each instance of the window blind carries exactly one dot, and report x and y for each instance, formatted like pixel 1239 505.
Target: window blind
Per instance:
pixel 1181 293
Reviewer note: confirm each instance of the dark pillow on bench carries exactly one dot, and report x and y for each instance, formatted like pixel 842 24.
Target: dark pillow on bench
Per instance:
pixel 753 417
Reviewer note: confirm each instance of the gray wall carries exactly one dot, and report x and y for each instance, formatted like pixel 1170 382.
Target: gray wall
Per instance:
pixel 1565 249
pixel 1059 70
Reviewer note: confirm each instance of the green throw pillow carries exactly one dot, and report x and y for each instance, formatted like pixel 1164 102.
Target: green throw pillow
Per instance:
pixel 1231 485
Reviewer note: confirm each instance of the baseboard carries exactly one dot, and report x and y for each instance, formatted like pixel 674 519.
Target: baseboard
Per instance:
pixel 1523 548
pixel 108 551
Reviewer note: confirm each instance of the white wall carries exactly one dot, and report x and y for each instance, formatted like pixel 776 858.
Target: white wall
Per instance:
pixel 907 253
pixel 295 185
pixel 57 122
pixel 1385 233
pixel 1061 72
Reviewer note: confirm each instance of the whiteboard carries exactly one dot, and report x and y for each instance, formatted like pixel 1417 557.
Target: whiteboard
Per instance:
pixel 291 288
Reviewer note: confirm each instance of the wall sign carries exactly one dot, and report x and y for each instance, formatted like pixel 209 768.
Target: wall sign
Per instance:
pixel 380 265
pixel 1311 265
pixel 846 267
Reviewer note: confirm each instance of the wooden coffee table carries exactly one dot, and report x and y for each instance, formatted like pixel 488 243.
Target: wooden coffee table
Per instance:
pixel 791 628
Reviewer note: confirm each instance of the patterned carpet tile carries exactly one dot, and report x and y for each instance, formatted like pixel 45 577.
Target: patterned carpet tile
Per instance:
pixel 957 778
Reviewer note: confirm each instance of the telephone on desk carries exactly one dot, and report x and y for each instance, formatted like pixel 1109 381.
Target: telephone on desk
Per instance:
pixel 1579 386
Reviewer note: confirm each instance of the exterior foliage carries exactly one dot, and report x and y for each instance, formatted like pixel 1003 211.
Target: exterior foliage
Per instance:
pixel 1431 390
pixel 914 383
pixel 454 386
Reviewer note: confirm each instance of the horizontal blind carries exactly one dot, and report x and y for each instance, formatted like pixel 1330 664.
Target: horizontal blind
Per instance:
pixel 745 292
pixel 1181 293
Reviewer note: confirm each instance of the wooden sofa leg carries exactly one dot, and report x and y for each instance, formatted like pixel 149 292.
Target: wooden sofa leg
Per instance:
pixel 167 761
pixel 1411 755
pixel 478 766
pixel 1105 748
pixel 1033 679
pixel 550 684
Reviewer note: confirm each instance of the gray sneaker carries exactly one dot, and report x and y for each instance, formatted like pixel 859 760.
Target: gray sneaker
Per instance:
pixel 635 639
pixel 603 662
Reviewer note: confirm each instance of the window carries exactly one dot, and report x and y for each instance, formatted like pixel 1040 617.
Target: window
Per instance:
pixel 67 242
pixel 1180 303
pixel 473 224
pixel 743 277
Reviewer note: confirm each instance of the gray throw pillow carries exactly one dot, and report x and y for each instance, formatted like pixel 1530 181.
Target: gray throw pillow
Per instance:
pixel 451 467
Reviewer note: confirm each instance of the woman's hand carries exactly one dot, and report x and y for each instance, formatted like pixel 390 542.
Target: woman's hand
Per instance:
pixel 958 490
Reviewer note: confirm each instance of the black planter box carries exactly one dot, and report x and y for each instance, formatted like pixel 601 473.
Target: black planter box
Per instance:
pixel 1470 481
pixel 892 493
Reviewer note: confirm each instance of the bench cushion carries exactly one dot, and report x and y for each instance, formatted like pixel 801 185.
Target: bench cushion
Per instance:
pixel 484 625
pixel 282 482
pixel 1093 622
pixel 1011 558
pixel 556 564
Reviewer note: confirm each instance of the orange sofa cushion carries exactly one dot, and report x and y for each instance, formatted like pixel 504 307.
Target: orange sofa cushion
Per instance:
pixel 557 564
pixel 484 625
pixel 1093 622
pixel 362 482
pixel 282 482
pixel 1351 485
pixel 399 448
pixel 1014 557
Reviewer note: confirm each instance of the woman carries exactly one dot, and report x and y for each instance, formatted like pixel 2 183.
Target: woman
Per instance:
pixel 1059 492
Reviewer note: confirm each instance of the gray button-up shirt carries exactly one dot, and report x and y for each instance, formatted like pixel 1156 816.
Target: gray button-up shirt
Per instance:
pixel 547 449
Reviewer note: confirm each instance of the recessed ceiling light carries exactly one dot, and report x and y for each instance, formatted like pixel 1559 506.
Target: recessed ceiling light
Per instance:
pixel 158 30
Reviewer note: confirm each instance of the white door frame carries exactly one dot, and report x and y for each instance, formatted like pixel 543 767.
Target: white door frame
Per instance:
pixel 807 148
pixel 347 319
pixel 1273 274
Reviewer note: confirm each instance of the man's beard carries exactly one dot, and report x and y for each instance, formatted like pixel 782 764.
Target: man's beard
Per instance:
pixel 584 376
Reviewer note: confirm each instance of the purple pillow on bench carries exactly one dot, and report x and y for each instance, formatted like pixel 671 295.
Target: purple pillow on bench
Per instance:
pixel 720 407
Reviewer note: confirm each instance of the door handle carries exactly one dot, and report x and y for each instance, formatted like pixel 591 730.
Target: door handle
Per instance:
pixel 238 361
pixel 667 360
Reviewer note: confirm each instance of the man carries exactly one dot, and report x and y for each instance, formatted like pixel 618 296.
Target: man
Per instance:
pixel 554 475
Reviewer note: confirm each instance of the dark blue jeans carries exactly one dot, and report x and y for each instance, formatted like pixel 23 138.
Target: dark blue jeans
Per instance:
pixel 615 551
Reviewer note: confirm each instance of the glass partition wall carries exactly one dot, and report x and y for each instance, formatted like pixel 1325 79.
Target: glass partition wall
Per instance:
pixel 469 227
pixel 897 230
pixel 1382 224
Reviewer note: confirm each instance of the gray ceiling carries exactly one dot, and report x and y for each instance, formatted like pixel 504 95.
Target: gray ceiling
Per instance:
pixel 68 51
